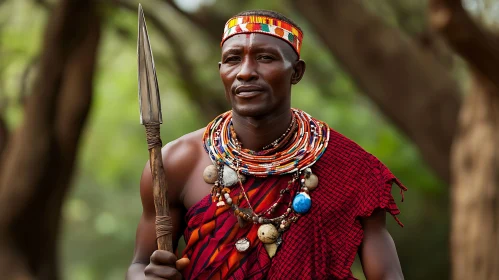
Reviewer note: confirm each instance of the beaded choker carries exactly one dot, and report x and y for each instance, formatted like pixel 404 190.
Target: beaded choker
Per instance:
pixel 276 145
pixel 308 144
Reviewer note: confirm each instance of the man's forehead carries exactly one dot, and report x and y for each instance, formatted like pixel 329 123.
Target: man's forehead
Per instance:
pixel 256 40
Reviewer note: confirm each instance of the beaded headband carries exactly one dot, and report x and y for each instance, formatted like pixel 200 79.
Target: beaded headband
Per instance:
pixel 267 25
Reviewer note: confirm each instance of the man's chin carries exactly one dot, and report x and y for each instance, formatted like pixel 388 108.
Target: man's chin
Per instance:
pixel 251 111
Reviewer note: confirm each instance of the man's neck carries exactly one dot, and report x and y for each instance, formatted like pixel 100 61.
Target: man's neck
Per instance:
pixel 256 133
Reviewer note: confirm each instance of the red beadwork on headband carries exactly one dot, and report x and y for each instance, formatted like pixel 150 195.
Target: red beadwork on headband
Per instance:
pixel 262 24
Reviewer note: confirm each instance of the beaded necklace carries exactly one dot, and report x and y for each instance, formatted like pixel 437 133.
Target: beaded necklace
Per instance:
pixel 307 146
pixel 293 152
pixel 276 145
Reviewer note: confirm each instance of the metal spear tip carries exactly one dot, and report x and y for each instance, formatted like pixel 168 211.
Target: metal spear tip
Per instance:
pixel 149 99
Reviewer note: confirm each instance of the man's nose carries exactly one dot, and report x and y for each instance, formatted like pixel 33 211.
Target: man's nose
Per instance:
pixel 247 72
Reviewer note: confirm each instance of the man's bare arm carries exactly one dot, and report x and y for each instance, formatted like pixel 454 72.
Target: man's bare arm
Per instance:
pixel 176 165
pixel 378 253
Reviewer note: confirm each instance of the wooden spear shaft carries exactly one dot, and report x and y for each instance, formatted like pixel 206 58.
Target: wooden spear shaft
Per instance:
pixel 151 118
pixel 160 189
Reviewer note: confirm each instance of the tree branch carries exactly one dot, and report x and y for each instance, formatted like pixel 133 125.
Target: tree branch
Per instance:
pixel 24 87
pixel 208 102
pixel 47 6
pixel 479 47
pixel 413 90
pixel 4 134
pixel 409 16
pixel 130 38
pixel 208 20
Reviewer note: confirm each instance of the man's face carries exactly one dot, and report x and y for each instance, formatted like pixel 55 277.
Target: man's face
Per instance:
pixel 257 71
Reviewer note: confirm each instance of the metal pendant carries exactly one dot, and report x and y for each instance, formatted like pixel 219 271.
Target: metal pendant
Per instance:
pixel 242 245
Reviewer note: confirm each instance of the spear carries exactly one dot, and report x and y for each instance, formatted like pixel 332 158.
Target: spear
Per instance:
pixel 150 117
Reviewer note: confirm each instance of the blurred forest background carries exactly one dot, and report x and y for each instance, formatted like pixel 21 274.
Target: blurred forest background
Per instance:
pixel 413 82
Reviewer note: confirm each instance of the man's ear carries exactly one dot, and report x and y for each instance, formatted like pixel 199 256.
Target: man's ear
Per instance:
pixel 299 69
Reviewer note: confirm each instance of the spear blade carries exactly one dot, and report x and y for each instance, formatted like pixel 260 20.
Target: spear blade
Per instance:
pixel 149 99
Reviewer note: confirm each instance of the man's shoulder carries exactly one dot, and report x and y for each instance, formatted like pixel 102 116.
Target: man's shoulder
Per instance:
pixel 186 142
pixel 343 149
pixel 184 150
pixel 339 143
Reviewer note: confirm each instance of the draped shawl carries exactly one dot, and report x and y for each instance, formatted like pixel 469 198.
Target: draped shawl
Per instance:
pixel 322 244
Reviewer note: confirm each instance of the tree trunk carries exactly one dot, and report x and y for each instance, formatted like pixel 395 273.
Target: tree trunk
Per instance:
pixel 475 192
pixel 409 85
pixel 38 162
pixel 475 153
pixel 4 134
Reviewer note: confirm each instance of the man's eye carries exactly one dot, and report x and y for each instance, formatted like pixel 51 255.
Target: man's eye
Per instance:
pixel 265 57
pixel 232 59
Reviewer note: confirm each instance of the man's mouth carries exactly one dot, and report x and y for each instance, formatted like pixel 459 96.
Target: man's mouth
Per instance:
pixel 248 94
pixel 248 91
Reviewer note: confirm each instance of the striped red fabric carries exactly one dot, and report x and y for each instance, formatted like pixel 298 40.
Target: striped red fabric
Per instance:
pixel 321 245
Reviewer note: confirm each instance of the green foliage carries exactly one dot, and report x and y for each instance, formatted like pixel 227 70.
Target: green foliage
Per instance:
pixel 102 211
pixel 20 41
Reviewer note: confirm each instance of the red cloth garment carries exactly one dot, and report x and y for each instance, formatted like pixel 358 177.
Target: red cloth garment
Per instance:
pixel 322 244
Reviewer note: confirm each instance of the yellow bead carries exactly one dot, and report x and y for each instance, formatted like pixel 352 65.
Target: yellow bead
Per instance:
pixel 267 233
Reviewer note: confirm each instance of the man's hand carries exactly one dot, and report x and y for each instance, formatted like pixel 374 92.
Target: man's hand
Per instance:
pixel 164 265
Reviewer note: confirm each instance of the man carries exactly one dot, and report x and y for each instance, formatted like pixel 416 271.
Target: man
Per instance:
pixel 268 192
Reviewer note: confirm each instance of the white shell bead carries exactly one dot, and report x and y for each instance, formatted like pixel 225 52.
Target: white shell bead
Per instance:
pixel 220 204
pixel 242 245
pixel 229 176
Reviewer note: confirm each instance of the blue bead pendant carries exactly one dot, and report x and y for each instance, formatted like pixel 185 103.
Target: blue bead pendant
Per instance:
pixel 302 203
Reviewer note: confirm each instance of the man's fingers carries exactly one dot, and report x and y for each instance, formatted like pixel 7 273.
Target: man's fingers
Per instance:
pixel 182 263
pixel 161 272
pixel 163 257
